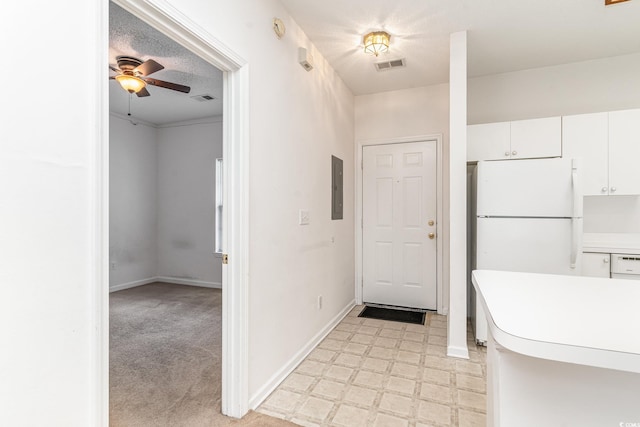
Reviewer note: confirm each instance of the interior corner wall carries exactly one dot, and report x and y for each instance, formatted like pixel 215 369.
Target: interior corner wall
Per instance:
pixel 298 120
pixel 133 173
pixel 604 84
pixel 457 318
pixel 406 113
pixel 162 194
pixel 186 202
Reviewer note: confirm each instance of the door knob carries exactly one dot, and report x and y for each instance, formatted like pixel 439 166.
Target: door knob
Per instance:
pixel 432 235
pixel 431 223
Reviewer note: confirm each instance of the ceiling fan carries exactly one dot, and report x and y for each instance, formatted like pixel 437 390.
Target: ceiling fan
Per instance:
pixel 132 75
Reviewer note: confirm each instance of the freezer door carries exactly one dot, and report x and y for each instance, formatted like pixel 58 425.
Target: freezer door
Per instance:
pixel 530 188
pixel 538 245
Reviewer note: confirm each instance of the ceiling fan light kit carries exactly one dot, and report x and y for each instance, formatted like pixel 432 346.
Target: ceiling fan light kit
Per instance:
pixel 131 84
pixel 376 42
pixel 132 75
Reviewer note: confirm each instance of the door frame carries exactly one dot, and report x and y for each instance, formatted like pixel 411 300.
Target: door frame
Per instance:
pixel 235 146
pixel 439 208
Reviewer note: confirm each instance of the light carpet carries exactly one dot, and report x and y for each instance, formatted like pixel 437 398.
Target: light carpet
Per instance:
pixel 165 354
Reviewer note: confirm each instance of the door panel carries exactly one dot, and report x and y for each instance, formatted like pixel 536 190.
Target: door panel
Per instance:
pixel 399 200
pixel 586 136
pixel 536 138
pixel 525 188
pixel 624 150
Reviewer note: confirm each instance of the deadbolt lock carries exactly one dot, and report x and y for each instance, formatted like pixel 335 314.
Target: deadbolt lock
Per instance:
pixel 432 235
pixel 431 223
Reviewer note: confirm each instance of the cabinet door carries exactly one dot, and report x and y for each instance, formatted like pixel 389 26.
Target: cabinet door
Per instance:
pixel 586 136
pixel 488 141
pixel 596 264
pixel 624 151
pixel 536 138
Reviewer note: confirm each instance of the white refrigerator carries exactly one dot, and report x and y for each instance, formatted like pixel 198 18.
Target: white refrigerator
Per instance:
pixel 528 218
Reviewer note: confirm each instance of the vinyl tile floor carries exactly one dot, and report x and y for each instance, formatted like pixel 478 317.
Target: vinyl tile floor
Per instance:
pixel 369 372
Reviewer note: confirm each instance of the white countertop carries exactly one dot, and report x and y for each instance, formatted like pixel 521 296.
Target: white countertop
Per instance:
pixel 615 243
pixel 583 320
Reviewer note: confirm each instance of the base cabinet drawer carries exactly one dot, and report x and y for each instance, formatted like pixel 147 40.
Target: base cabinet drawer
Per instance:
pixel 595 264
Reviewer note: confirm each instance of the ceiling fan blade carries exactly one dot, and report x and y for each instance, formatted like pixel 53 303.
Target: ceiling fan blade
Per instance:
pixel 148 67
pixel 117 70
pixel 143 92
pixel 168 85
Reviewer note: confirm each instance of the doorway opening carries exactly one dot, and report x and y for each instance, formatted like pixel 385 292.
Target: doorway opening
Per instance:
pixel 234 242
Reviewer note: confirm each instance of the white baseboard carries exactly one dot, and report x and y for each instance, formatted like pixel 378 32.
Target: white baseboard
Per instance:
pixel 133 284
pixel 189 282
pixel 459 352
pixel 297 358
pixel 166 279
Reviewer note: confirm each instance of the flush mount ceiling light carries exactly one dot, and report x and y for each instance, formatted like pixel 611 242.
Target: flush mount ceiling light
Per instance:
pixel 131 84
pixel 376 42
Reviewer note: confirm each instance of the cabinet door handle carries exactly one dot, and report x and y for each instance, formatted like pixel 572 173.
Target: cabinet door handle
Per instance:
pixel 604 189
pixel 514 153
pixel 506 153
pixel 613 189
pixel 605 260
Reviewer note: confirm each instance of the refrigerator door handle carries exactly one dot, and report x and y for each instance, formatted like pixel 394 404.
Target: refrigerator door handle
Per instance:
pixel 575 239
pixel 576 185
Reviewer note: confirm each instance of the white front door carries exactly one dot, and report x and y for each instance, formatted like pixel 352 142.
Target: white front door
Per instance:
pixel 399 224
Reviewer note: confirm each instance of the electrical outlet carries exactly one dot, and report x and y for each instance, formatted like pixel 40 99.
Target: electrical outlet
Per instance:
pixel 304 217
pixel 113 265
pixel 319 302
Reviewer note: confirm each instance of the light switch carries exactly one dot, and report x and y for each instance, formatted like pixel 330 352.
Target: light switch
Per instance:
pixel 304 217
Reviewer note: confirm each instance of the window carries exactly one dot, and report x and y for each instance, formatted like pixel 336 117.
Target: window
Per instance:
pixel 218 225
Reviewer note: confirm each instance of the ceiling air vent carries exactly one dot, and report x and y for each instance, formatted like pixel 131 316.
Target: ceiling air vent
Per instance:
pixel 203 98
pixel 388 65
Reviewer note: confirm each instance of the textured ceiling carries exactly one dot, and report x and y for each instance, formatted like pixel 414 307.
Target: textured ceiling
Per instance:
pixel 503 35
pixel 132 37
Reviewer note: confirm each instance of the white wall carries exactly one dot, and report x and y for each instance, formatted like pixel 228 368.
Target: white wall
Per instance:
pixel 581 87
pixel 298 120
pixel 46 214
pixel 409 112
pixel 186 202
pixel 612 214
pixel 133 178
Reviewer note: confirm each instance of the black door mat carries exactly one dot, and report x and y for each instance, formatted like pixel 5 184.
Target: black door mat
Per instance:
pixel 403 316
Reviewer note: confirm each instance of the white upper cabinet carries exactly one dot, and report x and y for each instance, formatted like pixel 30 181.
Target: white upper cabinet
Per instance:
pixel 521 139
pixel 609 144
pixel 586 136
pixel 624 152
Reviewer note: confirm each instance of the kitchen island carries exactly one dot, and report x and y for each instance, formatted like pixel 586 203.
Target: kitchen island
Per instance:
pixel 562 350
